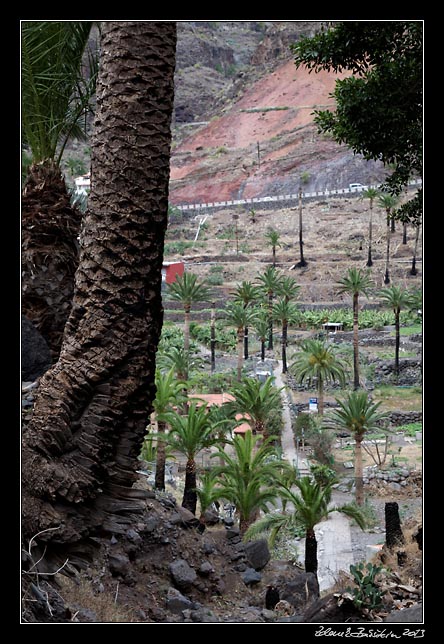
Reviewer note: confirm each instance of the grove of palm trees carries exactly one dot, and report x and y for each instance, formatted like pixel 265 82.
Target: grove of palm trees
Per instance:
pixel 157 486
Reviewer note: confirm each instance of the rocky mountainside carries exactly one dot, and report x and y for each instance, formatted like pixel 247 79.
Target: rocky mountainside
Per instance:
pixel 244 117
pixel 243 124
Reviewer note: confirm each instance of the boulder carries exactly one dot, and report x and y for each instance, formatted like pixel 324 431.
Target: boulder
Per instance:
pixel 36 356
pixel 182 574
pixel 176 602
pixel 257 553
pixel 251 576
pixel 411 614
pixel 300 591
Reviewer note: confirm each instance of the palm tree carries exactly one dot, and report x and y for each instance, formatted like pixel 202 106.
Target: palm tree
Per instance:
pixel 169 392
pixel 188 290
pixel 310 506
pixel 249 479
pixel 56 96
pixel 177 359
pixel 261 326
pixel 80 450
pixel 396 298
pixel 208 492
pixel 239 316
pixel 370 194
pixel 273 239
pixel 301 263
pixel 257 401
pixel 388 202
pixel 287 314
pixel 246 293
pixel 269 282
pixel 288 288
pixel 354 283
pixel 317 360
pixel 357 415
pixel 189 435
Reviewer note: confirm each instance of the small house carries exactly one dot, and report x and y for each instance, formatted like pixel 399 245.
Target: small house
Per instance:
pixel 170 270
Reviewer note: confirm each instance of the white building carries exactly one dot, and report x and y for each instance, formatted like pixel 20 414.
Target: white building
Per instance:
pixel 83 184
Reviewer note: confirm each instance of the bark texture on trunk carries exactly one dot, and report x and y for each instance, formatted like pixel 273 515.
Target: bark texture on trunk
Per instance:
pixel 393 531
pixel 80 450
pixel 355 341
pixel 189 499
pixel 311 552
pixel 50 226
pixel 159 479
pixel 359 484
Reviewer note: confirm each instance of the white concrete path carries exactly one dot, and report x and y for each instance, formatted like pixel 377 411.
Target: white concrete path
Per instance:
pixel 335 551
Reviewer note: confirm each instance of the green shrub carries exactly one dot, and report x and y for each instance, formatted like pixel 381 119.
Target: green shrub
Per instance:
pixel 366 593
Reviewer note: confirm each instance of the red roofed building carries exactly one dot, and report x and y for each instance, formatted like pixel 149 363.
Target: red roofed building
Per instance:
pixel 220 399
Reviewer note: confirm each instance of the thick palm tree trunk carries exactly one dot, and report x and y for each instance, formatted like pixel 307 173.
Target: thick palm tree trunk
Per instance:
pixel 159 479
pixel 80 448
pixel 270 320
pixel 397 342
pixel 262 349
pixel 240 340
pixel 355 341
pixel 311 552
pixel 359 484
pixel 320 395
pixel 50 226
pixel 186 332
pixel 370 234
pixel 189 499
pixel 284 347
pixel 387 255
pixel 413 270
pixel 246 343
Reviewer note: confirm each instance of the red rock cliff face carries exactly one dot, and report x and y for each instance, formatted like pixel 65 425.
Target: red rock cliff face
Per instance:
pixel 261 145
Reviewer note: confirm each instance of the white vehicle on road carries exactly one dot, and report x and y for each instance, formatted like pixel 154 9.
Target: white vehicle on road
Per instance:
pixel 357 187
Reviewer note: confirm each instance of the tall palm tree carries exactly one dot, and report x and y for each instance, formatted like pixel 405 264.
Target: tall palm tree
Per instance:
pixel 189 435
pixel 388 202
pixel 272 236
pixel 239 316
pixel 396 298
pixel 358 415
pixel 81 447
pixel 355 282
pixel 261 326
pixel 188 290
pixel 301 263
pixel 249 479
pixel 257 401
pixel 56 96
pixel 310 506
pixel 246 293
pixel 269 283
pixel 287 314
pixel 318 361
pixel 169 392
pixel 370 194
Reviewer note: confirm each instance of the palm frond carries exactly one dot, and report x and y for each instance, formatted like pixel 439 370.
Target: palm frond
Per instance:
pixel 56 89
